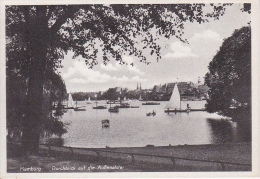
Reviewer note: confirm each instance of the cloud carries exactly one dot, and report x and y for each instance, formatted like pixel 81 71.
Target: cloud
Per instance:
pixel 121 79
pixel 123 67
pixel 109 67
pixel 135 70
pixel 79 73
pixel 71 71
pixel 78 80
pixel 132 79
pixel 206 39
pixel 179 50
pixel 207 35
pixel 137 78
pixel 206 44
pixel 131 68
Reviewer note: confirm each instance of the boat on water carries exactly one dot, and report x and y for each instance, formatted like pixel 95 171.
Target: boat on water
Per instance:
pixel 123 105
pixel 174 105
pixel 99 107
pixel 150 103
pixel 113 102
pixel 70 103
pixel 134 106
pixel 151 113
pixel 105 123
pixel 140 98
pixel 183 110
pixel 89 101
pixel 113 109
pixel 125 100
pixel 80 108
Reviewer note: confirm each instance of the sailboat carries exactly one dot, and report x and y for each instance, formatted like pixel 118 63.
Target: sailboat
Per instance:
pixel 140 98
pixel 126 100
pixel 174 104
pixel 88 102
pixel 70 104
pixel 123 104
pixel 81 108
pixel 99 107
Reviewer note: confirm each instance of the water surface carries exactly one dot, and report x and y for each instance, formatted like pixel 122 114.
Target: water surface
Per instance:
pixel 132 128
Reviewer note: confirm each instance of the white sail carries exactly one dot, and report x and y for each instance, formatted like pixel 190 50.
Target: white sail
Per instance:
pixel 175 101
pixel 140 98
pixel 124 98
pixel 88 99
pixel 70 101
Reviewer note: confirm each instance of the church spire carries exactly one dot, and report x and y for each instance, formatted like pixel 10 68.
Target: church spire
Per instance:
pixel 199 81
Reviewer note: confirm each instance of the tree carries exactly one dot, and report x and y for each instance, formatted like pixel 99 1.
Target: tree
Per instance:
pixel 54 90
pixel 110 94
pixel 39 36
pixel 229 76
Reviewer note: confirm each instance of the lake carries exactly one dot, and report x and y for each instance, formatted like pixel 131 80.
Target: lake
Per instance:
pixel 130 127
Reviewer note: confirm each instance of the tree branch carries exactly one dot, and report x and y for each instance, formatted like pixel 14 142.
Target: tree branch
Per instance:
pixel 69 12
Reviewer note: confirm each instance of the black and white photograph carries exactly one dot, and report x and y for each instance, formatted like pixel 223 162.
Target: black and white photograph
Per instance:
pixel 109 88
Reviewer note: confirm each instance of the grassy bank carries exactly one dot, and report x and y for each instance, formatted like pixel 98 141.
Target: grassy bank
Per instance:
pixel 171 158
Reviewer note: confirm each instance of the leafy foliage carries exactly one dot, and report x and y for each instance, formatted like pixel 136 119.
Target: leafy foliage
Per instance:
pixel 116 28
pixel 17 89
pixel 247 8
pixel 229 76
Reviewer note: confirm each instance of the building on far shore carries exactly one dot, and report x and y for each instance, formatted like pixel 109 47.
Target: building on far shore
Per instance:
pixel 187 90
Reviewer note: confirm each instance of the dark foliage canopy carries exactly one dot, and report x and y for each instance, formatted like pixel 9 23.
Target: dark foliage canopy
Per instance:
pixel 229 76
pixel 116 28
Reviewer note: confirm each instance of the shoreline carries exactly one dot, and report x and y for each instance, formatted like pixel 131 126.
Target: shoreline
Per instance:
pixel 208 157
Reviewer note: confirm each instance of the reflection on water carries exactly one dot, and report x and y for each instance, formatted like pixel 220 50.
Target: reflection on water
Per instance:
pixel 221 130
pixel 244 130
pixel 132 128
pixel 224 130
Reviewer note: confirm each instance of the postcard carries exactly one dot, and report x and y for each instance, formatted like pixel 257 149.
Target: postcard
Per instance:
pixel 129 89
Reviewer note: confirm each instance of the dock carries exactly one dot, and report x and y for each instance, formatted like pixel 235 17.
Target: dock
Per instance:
pixel 183 110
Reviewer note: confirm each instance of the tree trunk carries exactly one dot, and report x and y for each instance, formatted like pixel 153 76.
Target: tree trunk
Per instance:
pixel 37 53
pixel 33 116
pixel 39 39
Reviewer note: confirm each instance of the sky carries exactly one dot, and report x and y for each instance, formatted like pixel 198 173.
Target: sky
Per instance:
pixel 180 61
